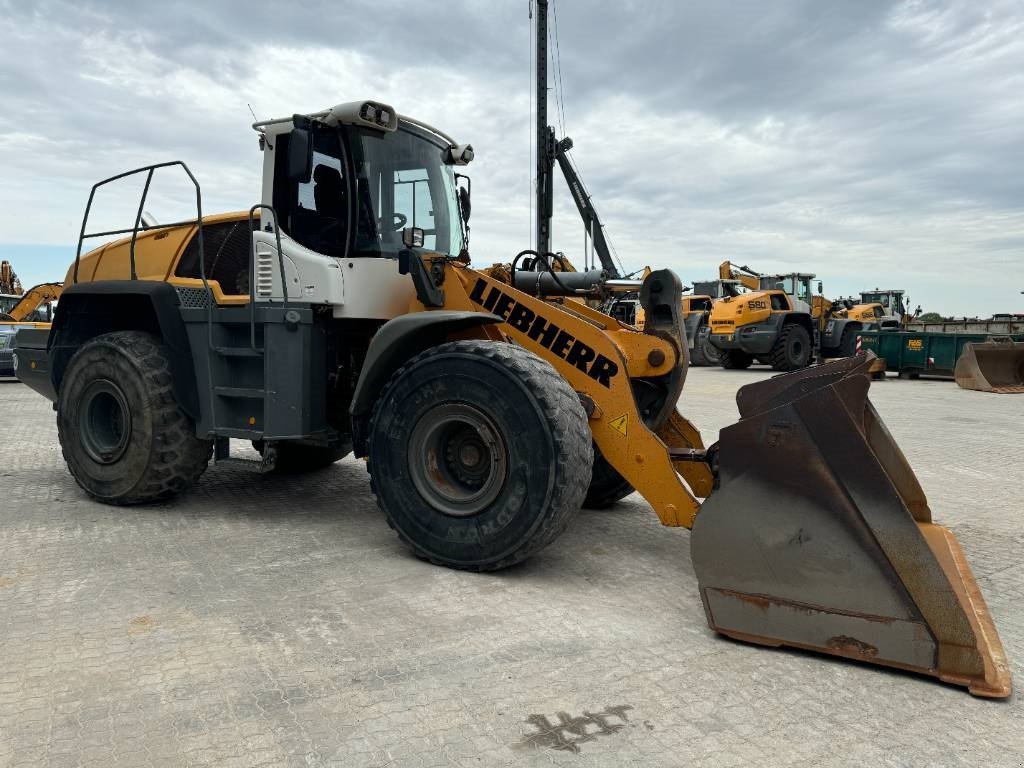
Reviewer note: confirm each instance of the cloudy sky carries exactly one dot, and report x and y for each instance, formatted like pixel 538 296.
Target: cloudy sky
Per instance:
pixel 873 143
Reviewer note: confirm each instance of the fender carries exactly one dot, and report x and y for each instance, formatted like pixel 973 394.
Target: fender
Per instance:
pixel 397 341
pixel 87 310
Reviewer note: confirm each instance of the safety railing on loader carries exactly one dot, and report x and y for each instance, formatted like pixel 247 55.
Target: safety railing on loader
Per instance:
pixel 139 225
pixel 252 268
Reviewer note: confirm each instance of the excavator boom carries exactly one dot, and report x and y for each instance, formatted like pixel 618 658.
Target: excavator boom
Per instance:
pixel 744 275
pixel 33 299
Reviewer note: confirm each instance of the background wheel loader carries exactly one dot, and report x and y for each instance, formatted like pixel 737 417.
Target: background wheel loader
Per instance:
pixel 340 314
pixel 772 323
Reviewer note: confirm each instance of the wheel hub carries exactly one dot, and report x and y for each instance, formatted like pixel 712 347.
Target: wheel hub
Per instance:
pixel 104 421
pixel 457 459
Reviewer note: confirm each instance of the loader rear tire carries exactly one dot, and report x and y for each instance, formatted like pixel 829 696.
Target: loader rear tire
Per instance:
pixel 792 350
pixel 734 359
pixel 479 454
pixel 124 438
pixel 607 486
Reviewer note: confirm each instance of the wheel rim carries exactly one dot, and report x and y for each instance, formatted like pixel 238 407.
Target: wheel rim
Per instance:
pixel 457 459
pixel 797 348
pixel 104 421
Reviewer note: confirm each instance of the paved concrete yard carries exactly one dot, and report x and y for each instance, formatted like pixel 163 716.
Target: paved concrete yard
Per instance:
pixel 279 622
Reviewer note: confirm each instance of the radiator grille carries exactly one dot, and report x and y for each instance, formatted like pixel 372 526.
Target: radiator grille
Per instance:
pixel 226 253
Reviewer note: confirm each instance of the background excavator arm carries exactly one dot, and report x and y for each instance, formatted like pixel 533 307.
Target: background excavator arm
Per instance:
pixel 34 298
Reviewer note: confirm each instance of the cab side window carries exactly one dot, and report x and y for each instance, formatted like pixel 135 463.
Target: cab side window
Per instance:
pixel 315 212
pixel 779 301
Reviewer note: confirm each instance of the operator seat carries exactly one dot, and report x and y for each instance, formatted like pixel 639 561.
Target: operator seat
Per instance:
pixel 330 200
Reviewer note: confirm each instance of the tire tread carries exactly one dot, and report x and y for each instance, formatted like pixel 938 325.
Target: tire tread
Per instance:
pixel 563 412
pixel 178 457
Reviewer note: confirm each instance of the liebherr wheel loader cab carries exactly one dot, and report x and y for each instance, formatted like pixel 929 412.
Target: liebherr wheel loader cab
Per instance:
pixel 893 304
pixel 340 314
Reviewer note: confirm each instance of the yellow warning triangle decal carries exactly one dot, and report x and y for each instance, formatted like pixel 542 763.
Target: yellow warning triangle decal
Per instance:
pixel 619 424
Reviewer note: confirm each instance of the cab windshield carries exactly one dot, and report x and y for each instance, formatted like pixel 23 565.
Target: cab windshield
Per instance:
pixel 877 298
pixel 403 181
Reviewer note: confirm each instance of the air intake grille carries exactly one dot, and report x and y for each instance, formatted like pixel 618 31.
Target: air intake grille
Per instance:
pixel 226 247
pixel 193 298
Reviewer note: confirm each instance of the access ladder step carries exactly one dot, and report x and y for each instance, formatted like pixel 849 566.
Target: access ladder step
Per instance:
pixel 259 466
pixel 243 392
pixel 222 456
pixel 238 351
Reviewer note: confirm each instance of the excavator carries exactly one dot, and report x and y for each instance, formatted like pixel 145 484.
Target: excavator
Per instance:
pixel 33 309
pixel 10 285
pixel 35 305
pixel 341 314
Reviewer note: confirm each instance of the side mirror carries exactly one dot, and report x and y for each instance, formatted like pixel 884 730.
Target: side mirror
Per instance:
pixel 819 287
pixel 300 154
pixel 412 237
pixel 465 193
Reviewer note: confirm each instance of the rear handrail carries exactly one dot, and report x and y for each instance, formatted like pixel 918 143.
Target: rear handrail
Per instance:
pixel 139 226
pixel 252 268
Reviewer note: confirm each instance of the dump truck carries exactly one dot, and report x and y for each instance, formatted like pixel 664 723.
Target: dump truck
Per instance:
pixel 339 315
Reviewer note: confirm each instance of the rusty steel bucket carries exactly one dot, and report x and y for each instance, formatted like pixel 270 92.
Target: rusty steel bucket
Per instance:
pixel 991 366
pixel 819 537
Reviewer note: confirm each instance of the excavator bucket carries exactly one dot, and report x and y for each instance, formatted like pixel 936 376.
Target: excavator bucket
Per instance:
pixel 991 366
pixel 819 537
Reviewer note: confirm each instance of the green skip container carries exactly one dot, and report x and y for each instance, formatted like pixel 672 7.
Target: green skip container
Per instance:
pixel 913 353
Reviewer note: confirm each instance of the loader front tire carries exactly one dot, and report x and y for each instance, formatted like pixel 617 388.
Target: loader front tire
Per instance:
pixel 792 350
pixel 479 454
pixel 848 342
pixel 734 359
pixel 124 438
pixel 703 351
pixel 607 486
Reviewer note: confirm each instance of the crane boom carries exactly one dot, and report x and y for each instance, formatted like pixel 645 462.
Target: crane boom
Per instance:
pixel 550 150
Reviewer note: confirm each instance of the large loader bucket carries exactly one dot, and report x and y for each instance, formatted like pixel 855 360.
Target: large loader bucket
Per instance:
pixel 819 537
pixel 992 366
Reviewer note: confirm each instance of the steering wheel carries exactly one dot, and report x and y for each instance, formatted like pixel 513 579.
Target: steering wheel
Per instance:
pixel 400 221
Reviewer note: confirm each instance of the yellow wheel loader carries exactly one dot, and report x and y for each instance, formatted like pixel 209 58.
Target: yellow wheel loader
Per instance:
pixel 773 323
pixel 338 316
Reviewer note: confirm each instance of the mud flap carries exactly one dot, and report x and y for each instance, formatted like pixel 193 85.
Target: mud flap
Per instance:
pixel 992 366
pixel 819 536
